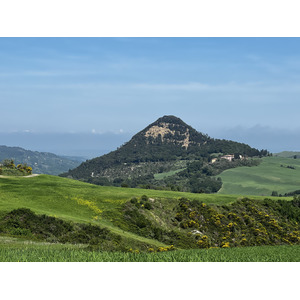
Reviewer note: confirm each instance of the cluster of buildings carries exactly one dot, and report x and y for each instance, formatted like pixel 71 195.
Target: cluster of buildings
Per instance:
pixel 229 157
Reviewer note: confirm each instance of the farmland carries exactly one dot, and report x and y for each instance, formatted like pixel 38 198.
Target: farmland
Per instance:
pixel 278 174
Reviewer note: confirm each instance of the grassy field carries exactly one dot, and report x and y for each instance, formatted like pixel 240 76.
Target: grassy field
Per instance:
pixel 80 202
pixel 288 154
pixel 160 176
pixel 273 174
pixel 14 250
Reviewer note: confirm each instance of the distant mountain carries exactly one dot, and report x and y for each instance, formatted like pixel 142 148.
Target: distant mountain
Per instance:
pixel 168 147
pixel 74 158
pixel 41 162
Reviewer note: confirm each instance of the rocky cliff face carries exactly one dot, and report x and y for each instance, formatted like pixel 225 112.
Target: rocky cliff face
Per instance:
pixel 172 130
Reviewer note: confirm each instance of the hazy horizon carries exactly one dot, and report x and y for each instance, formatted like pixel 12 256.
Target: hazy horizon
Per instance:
pixel 87 96
pixel 90 145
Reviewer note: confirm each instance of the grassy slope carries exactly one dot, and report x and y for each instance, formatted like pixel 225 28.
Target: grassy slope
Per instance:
pixel 263 179
pixel 287 154
pixel 81 202
pixel 160 176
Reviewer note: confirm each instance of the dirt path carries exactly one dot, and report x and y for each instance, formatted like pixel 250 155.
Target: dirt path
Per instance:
pixel 32 175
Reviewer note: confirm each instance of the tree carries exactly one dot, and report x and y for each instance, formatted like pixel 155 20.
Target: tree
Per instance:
pixel 236 156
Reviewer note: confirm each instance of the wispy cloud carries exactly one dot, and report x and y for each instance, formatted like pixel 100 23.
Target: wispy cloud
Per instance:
pixel 190 87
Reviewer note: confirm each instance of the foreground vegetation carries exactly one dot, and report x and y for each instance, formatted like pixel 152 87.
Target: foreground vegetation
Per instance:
pixel 50 215
pixel 8 168
pixel 34 252
pixel 79 202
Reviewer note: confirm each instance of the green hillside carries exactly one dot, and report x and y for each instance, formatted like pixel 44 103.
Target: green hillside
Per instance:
pixel 288 154
pixel 273 174
pixel 75 200
pixel 41 162
pixel 82 202
pixel 54 213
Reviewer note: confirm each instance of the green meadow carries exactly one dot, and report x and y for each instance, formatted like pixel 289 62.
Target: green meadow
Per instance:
pixel 278 174
pixel 14 250
pixel 160 176
pixel 80 202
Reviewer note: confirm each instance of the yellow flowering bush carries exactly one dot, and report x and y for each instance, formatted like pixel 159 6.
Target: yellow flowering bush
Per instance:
pixel 204 242
pixel 192 223
pixel 225 245
pixel 244 242
pixel 91 205
pixel 164 249
pixel 192 215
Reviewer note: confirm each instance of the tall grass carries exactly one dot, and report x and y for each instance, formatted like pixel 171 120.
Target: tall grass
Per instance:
pixel 69 254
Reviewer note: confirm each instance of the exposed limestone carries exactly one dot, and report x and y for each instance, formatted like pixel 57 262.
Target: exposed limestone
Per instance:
pixel 163 129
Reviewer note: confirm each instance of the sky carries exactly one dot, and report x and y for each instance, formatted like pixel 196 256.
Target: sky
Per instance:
pixel 87 96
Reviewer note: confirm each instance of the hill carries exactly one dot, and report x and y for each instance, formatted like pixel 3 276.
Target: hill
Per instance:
pixel 60 210
pixel 80 202
pixel 169 147
pixel 288 154
pixel 274 174
pixel 41 162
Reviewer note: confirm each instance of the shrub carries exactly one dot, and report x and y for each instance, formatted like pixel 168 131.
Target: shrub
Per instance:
pixel 144 198
pixel 148 205
pixel 134 200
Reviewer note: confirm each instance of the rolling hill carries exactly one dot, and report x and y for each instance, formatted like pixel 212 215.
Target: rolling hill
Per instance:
pixel 80 202
pixel 60 210
pixel 288 154
pixel 274 174
pixel 41 162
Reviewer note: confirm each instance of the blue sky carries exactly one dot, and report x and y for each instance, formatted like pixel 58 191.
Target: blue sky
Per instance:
pixel 246 89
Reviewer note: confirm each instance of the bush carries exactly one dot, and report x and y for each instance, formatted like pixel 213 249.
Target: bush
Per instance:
pixel 148 205
pixel 144 198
